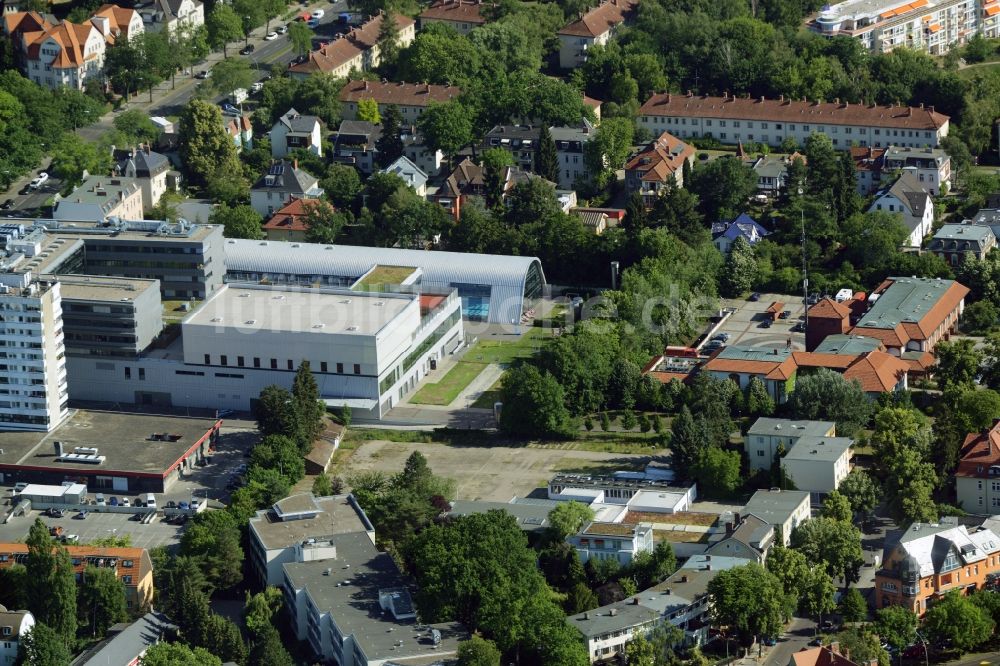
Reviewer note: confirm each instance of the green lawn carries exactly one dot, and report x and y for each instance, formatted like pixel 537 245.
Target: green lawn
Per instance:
pixel 484 352
pixel 448 388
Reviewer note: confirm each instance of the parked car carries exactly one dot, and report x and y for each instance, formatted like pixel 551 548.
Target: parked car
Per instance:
pixel 25 190
pixel 318 14
pixel 183 506
pixel 769 640
pixel 755 296
pixel 55 513
pixel 313 23
pixel 113 501
pixel 282 30
pixel 785 314
pixel 203 74
pixel 18 487
pixel 271 36
pixel 70 538
pixel 720 337
pixel 257 86
pixel 82 515
pixel 195 503
pixel 55 531
pixel 230 109
pixel 7 205
pixel 126 502
pixel 171 504
pixel 765 324
pixel 799 327
pixel 39 180
pixel 247 50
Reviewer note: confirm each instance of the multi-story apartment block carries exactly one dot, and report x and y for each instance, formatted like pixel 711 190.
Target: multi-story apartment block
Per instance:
pixel 410 98
pixel 171 15
pixel 933 26
pixel 818 464
pixel 783 509
pixel 932 166
pixel 933 559
pixel 956 242
pixel 768 437
pixel 571 143
pixel 462 15
pixel 100 197
pixel 977 478
pixel 357 51
pixel 734 119
pixel 33 387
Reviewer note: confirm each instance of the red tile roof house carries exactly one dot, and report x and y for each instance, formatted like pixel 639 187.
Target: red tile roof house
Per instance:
pixel 658 166
pixel 356 51
pixel 734 119
pixel 977 478
pixel 410 98
pixel 288 222
pixel 462 15
pixel 825 656
pixel 591 29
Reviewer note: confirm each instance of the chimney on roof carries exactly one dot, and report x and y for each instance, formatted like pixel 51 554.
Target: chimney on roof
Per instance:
pixel 930 108
pixel 836 100
pixel 835 647
pixel 295 164
pixel 635 601
pixel 668 98
pixel 762 99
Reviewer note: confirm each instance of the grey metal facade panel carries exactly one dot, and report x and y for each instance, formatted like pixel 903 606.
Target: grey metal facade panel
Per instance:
pixel 505 275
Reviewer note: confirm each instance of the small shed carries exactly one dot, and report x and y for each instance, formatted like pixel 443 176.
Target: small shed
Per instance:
pixel 774 310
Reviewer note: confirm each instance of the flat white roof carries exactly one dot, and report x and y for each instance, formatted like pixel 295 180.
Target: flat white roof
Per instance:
pixel 53 491
pixel 252 307
pixel 658 498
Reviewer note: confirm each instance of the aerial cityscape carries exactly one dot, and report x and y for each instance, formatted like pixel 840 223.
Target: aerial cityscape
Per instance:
pixel 499 333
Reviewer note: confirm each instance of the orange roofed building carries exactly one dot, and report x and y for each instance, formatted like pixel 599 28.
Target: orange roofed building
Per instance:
pixel 825 655
pixel 932 559
pixel 658 166
pixel 462 15
pixel 592 28
pixel 132 566
pixel 357 51
pixel 410 98
pixel 288 222
pixel 977 478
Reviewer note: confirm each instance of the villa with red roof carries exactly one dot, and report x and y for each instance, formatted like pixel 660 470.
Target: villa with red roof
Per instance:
pixel 658 166
pixel 977 478
pixel 357 51
pixel 593 28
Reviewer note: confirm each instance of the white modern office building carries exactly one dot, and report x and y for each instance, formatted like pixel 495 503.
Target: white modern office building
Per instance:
pixel 366 350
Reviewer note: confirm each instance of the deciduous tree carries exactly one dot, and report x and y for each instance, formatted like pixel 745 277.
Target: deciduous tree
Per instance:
pixel 750 600
pixel 44 646
pixel 205 147
pixel 478 651
pixel 214 538
pixel 368 111
pixel 837 507
pixel 546 157
pixel 533 404
pixel 826 395
pixel 446 127
pixel 224 26
pixel 860 491
pixel 740 271
pixel 238 221
pixel 853 606
pixel 568 518
pixel 178 654
pixel 101 600
pixel 833 543
pixel 896 625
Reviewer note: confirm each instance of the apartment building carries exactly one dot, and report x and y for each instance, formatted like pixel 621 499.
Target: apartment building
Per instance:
pixel 932 166
pixel 101 197
pixel 932 559
pixel 172 15
pixel 463 16
pixel 34 393
pixel 410 98
pixel 681 600
pixel 65 54
pixel 356 51
pixel 768 437
pixel 818 464
pixel 733 119
pixel 906 197
pixel 571 143
pixel 977 477
pixel 593 28
pixel 132 566
pixel 783 509
pixel 956 242
pixel 612 541
pixel 932 26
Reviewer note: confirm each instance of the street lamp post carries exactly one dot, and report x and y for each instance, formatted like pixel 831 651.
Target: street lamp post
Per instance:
pixel 246 31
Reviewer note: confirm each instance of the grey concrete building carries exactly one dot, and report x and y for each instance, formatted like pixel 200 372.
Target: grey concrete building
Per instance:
pixel 104 316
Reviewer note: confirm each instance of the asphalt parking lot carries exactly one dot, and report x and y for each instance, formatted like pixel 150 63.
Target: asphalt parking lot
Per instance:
pixel 97 526
pixel 743 326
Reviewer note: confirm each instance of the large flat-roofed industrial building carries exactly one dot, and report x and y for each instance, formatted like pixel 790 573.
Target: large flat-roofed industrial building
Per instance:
pixel 366 350
pixel 493 288
pixel 109 451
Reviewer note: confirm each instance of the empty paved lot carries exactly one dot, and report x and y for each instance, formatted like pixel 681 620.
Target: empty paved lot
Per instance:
pixel 488 473
pixel 744 325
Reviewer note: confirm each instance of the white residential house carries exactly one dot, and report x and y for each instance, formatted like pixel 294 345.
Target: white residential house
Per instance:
pixel 593 28
pixel 295 131
pixel 283 181
pixel 411 174
pixel 612 541
pixel 912 201
pixel 14 625
pixel 100 197
pixel 171 15
pixel 931 165
pixel 570 145
pixel 149 169
pixel 66 54
pixel 784 509
pixel 768 437
pixel 818 463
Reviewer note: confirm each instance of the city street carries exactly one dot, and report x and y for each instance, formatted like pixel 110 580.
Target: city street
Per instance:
pixel 169 99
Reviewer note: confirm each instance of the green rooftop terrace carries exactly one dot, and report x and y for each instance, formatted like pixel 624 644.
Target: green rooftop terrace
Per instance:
pixel 380 276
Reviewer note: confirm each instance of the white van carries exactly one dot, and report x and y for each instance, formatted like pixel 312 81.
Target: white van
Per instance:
pixel 99 500
pixel 149 500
